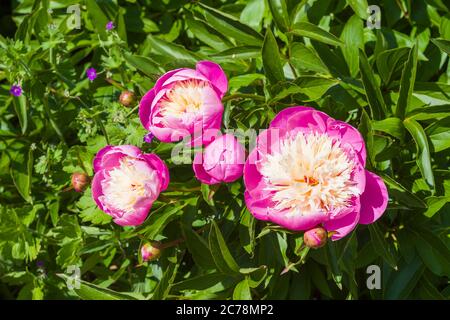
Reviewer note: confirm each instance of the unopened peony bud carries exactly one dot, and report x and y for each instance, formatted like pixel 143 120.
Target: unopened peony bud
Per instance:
pixel 315 238
pixel 80 181
pixel 126 98
pixel 150 252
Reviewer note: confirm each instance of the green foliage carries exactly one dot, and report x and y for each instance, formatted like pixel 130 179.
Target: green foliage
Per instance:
pixel 392 83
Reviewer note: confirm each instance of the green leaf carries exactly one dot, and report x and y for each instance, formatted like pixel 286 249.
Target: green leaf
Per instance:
pixel 309 30
pixel 444 45
pixel 143 64
pixel 439 134
pixel 390 61
pixel 273 67
pixel 359 7
pixel 403 281
pixel 202 32
pixel 220 252
pixel 423 150
pixel 230 26
pixel 198 247
pixel 157 221
pixel 381 246
pixel 353 37
pixel 243 52
pixel 20 106
pixel 165 284
pixel 432 250
pixel 242 291
pixel 280 14
pixel 53 208
pixel 402 194
pixel 21 172
pixel 407 83
pixel 89 291
pixel 435 204
pixel 172 50
pixel 373 92
pixel 305 58
pixel 99 19
pixel 392 126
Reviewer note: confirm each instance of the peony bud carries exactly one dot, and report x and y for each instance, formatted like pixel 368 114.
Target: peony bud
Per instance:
pixel 315 238
pixel 80 181
pixel 150 251
pixel 126 98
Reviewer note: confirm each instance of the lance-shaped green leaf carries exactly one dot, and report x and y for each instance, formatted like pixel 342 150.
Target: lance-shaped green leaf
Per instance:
pixel 353 37
pixel 381 246
pixel 407 83
pixel 99 19
pixel 392 126
pixel 198 247
pixel 143 64
pixel 242 291
pixel 359 7
pixel 373 92
pixel 220 252
pixel 390 61
pixel 444 45
pixel 21 172
pixel 89 291
pixel 309 30
pixel 165 284
pixel 280 14
pixel 423 150
pixel 273 67
pixel 230 26
pixel 20 106
pixel 402 194
pixel 304 58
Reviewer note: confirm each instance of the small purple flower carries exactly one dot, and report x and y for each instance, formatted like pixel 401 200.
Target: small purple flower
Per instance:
pixel 148 137
pixel 40 264
pixel 110 26
pixel 16 90
pixel 91 74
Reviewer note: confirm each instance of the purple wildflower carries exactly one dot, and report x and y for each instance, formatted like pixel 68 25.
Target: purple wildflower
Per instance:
pixel 16 90
pixel 148 137
pixel 91 74
pixel 110 26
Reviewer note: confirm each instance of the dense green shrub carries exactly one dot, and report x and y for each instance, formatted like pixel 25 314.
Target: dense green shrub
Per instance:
pixel 392 83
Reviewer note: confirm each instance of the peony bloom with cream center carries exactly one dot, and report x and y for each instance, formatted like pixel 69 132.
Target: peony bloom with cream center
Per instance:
pixel 184 99
pixel 127 182
pixel 309 174
pixel 307 170
pixel 186 103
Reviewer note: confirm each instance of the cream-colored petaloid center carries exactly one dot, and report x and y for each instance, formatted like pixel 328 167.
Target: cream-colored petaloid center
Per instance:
pixel 183 97
pixel 310 173
pixel 127 184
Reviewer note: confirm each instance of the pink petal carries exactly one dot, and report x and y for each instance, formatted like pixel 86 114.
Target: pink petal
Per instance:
pixel 344 224
pixel 214 73
pixel 374 200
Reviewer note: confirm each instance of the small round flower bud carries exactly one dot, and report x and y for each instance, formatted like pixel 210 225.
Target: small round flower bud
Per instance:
pixel 126 98
pixel 150 251
pixel 80 181
pixel 315 238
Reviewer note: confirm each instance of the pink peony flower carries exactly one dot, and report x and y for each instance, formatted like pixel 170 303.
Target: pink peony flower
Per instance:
pixel 127 182
pixel 308 169
pixel 185 102
pixel 222 161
